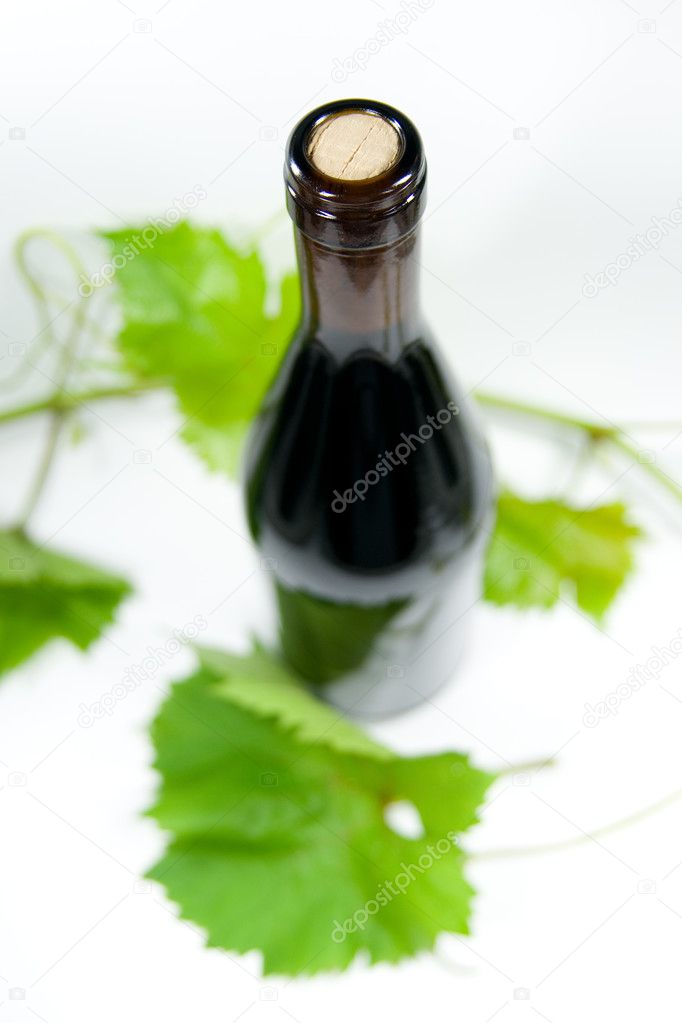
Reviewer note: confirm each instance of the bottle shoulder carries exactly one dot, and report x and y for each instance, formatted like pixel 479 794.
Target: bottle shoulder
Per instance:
pixel 365 464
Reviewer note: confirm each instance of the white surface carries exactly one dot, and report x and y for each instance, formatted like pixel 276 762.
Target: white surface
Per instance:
pixel 119 122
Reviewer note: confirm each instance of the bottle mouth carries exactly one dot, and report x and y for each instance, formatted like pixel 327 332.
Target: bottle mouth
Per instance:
pixel 355 174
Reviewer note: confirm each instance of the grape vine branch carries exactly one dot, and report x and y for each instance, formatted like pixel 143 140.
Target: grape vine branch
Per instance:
pixel 63 400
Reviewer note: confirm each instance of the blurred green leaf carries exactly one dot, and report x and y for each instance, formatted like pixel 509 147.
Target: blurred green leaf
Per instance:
pixel 261 683
pixel 277 842
pixel 194 316
pixel 541 550
pixel 44 595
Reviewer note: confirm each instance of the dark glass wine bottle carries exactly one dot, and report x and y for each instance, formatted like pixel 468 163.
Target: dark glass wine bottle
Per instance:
pixel 368 484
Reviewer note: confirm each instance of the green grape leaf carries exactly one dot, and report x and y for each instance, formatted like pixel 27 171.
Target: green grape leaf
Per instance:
pixel 541 550
pixel 259 682
pixel 195 316
pixel 283 846
pixel 44 595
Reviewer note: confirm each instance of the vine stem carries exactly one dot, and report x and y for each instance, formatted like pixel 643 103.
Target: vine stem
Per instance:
pixel 63 402
pixel 666 481
pixel 42 471
pixel 525 767
pixel 67 357
pixel 596 432
pixel 68 400
pixel 570 843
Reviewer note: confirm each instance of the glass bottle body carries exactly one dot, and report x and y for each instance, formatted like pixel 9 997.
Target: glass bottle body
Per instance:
pixel 369 486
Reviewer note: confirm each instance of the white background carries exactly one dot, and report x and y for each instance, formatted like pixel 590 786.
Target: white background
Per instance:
pixel 117 123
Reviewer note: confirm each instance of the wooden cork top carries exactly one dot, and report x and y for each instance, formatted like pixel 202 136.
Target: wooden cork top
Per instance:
pixel 355 172
pixel 353 145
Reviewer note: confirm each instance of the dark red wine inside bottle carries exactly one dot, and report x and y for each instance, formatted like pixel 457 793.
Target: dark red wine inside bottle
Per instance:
pixel 368 484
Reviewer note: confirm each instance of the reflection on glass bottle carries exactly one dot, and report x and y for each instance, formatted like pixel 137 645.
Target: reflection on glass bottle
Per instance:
pixel 368 483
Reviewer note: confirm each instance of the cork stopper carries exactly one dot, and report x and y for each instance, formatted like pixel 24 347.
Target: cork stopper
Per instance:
pixel 355 172
pixel 353 145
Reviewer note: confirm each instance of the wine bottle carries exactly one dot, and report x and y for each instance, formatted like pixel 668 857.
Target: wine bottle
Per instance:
pixel 368 485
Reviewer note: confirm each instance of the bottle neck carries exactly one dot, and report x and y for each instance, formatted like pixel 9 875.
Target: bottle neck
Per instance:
pixel 362 297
